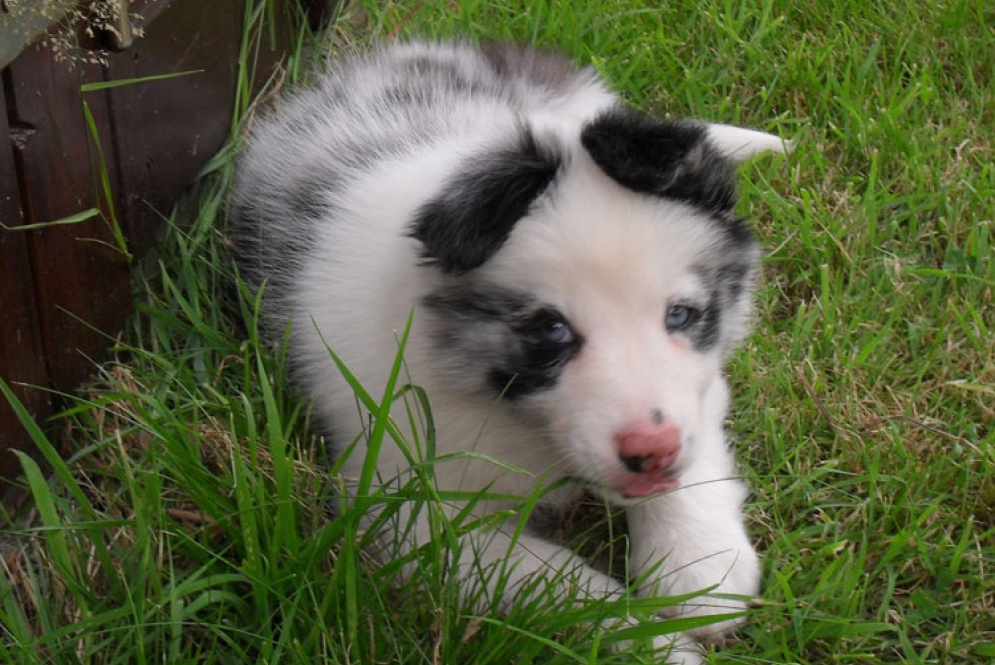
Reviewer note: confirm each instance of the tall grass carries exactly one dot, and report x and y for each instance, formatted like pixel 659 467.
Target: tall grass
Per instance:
pixel 198 520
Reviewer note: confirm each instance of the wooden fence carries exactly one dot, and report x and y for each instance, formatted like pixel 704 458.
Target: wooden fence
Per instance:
pixel 65 290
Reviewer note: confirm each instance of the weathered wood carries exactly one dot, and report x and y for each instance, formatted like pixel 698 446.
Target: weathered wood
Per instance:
pixel 22 21
pixel 81 279
pixel 319 11
pixel 65 290
pixel 166 129
pixel 22 356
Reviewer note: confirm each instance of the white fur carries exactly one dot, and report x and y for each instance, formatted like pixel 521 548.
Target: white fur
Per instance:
pixel 739 144
pixel 608 258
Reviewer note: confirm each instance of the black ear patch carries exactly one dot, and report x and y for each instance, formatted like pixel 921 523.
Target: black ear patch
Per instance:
pixel 665 158
pixel 473 216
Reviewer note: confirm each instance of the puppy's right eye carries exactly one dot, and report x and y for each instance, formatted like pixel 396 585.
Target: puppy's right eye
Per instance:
pixel 550 327
pixel 557 332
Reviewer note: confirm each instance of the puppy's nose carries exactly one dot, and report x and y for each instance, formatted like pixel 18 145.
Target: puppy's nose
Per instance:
pixel 648 447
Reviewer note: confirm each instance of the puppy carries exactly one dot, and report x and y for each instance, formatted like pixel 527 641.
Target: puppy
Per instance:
pixel 576 276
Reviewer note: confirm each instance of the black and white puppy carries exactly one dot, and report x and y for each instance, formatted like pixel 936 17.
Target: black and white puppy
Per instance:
pixel 577 276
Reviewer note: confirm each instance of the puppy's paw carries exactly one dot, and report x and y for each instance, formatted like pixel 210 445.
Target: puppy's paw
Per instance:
pixel 737 576
pixel 678 649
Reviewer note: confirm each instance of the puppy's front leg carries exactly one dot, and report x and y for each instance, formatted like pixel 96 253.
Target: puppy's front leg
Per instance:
pixel 496 566
pixel 694 538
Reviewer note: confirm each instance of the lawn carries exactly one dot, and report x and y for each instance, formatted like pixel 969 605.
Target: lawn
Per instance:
pixel 194 524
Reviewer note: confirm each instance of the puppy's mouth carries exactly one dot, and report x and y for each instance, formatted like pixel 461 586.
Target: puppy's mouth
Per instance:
pixel 642 485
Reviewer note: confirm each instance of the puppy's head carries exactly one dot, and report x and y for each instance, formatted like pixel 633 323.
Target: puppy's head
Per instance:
pixel 597 285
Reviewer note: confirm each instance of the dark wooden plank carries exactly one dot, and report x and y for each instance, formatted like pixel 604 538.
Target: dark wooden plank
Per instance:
pixel 165 130
pixel 65 290
pixel 319 12
pixel 81 281
pixel 22 360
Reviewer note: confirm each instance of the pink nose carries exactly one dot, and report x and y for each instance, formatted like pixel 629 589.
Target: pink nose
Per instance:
pixel 648 447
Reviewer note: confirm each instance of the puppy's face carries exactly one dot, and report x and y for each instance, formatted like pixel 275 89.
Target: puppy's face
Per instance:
pixel 605 310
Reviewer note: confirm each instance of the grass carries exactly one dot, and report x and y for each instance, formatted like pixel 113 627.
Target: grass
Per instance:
pixel 191 523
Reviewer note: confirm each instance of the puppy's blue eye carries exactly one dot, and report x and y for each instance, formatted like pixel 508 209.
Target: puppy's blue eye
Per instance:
pixel 556 331
pixel 549 327
pixel 680 317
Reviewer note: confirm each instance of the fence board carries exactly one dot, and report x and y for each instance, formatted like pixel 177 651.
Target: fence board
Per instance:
pixel 65 291
pixel 81 281
pixel 21 353
pixel 166 129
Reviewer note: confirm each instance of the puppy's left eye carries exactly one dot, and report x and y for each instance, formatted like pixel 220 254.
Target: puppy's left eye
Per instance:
pixel 680 317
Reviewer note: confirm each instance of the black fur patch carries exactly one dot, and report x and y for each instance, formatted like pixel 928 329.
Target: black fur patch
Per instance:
pixel 474 215
pixel 488 340
pixel 671 159
pixel 704 334
pixel 727 285
pixel 733 279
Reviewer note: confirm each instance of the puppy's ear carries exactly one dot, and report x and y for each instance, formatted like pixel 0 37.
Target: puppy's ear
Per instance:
pixel 681 159
pixel 473 216
pixel 673 159
pixel 738 145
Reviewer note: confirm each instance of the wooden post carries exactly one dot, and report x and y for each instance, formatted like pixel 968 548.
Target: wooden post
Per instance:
pixel 65 290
